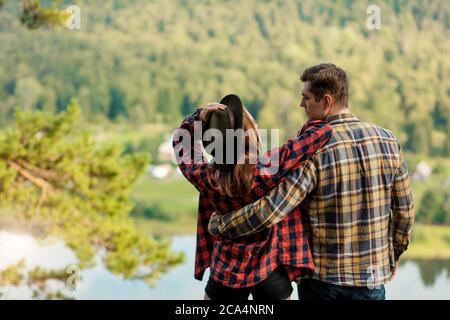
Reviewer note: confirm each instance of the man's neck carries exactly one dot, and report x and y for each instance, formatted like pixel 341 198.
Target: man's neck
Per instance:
pixel 337 112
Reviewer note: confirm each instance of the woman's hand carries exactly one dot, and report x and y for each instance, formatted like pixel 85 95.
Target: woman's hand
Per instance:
pixel 207 110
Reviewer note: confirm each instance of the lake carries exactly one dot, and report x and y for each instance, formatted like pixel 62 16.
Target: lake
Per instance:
pixel 428 279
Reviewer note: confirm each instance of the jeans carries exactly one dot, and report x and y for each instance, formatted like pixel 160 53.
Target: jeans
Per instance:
pixel 311 289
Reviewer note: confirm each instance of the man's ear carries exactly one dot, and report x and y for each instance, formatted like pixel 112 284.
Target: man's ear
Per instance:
pixel 328 102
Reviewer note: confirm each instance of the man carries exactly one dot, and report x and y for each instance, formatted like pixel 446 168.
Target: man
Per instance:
pixel 354 193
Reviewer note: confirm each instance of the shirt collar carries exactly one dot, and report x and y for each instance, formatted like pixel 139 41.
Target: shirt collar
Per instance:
pixel 342 117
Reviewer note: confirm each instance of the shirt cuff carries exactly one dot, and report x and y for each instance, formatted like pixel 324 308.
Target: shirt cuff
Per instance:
pixel 214 228
pixel 398 251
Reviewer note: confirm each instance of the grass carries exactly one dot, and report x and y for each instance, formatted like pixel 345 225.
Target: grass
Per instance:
pixel 123 133
pixel 429 242
pixel 434 182
pixel 181 226
pixel 175 197
pixel 179 198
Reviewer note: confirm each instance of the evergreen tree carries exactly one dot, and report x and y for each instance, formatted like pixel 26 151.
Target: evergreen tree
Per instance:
pixel 56 177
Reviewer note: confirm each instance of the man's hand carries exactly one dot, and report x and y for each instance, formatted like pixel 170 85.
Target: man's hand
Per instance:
pixel 213 226
pixel 394 271
pixel 207 110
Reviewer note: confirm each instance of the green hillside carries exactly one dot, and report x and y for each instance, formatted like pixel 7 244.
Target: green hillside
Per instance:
pixel 154 61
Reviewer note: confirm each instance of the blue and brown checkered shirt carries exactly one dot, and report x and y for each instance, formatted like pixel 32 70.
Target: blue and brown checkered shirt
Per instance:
pixel 358 207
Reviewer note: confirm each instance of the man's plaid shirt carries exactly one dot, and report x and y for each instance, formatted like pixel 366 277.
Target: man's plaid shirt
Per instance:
pixel 247 261
pixel 358 207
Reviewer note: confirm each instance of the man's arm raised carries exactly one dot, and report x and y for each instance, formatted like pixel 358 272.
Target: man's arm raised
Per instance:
pixel 270 209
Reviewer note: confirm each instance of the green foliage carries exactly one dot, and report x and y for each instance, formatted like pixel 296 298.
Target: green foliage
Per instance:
pixel 185 53
pixel 12 275
pixel 146 144
pixel 435 207
pixel 34 15
pixel 57 177
pixel 419 137
pixel 36 279
pixel 429 242
pixel 151 212
pixel 447 147
pixel 117 105
pixel 441 170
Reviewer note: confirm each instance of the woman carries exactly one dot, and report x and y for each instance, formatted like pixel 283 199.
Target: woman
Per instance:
pixel 263 264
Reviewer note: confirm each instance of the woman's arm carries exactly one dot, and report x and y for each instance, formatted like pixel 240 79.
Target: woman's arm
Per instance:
pixel 277 164
pixel 186 143
pixel 267 174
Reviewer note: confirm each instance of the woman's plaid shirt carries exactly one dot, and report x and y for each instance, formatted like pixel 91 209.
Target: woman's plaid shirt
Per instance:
pixel 247 261
pixel 358 205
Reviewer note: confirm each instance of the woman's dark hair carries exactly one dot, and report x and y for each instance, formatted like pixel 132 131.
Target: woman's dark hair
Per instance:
pixel 238 182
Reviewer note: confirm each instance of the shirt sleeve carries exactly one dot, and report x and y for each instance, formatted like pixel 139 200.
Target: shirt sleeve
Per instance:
pixel 268 210
pixel 278 163
pixel 402 207
pixel 186 142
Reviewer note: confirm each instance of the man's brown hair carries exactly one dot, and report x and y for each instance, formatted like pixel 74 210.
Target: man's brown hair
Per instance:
pixel 327 78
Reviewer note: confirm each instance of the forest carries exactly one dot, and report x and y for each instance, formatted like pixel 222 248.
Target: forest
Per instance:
pixel 155 61
pixel 84 112
pixel 146 64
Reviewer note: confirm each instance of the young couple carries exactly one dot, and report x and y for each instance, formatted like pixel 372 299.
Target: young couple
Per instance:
pixel 334 216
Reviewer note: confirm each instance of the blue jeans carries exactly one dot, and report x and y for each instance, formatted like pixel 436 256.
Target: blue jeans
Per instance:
pixel 311 289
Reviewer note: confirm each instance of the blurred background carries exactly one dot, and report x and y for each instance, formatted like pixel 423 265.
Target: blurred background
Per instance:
pixel 92 207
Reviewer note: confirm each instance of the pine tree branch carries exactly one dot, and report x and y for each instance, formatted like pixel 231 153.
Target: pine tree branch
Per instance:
pixel 42 173
pixel 44 185
pixel 41 183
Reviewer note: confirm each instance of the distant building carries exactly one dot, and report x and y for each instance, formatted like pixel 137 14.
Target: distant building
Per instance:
pixel 446 184
pixel 165 150
pixel 161 171
pixel 423 171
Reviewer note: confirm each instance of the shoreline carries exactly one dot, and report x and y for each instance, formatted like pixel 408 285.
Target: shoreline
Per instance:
pixel 428 242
